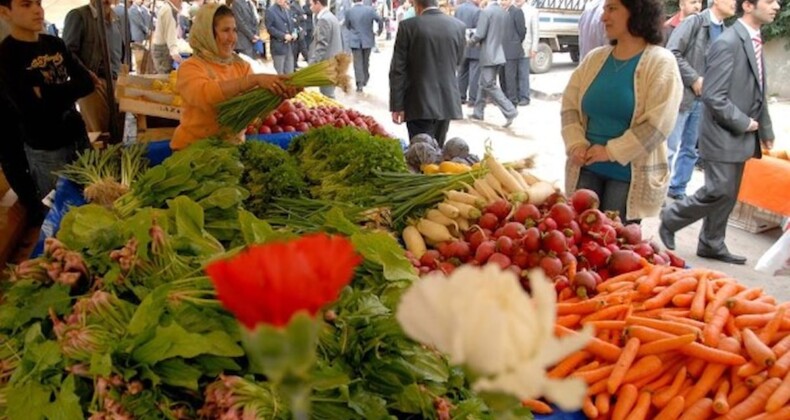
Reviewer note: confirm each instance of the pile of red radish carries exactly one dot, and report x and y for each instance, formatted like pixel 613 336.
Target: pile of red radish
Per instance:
pixel 576 244
pixel 294 116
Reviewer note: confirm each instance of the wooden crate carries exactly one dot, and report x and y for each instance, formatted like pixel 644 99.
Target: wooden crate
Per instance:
pixel 753 219
pixel 140 107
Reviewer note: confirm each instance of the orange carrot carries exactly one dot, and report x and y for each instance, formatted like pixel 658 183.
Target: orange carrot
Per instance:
pixel 610 313
pixel 651 281
pixel 757 350
pixel 782 414
pixel 686 388
pixel 582 308
pixel 656 313
pixel 537 406
pixel 713 371
pixel 767 334
pixel 694 349
pixel 697 308
pixel 565 295
pixel 755 402
pixel 672 410
pixel 569 321
pixel 600 348
pixel 595 375
pixel 695 367
pixel 690 322
pixel 626 399
pixel 589 366
pixel 664 380
pixel 588 408
pixel 782 347
pixel 749 369
pixel 671 327
pixel 738 394
pixel 710 294
pixel 567 365
pixel 750 293
pixel 724 293
pixel 660 300
pixel 666 345
pixel 606 325
pixel 625 277
pixel 743 306
pixel 682 300
pixel 623 364
pixel 760 320
pixel 767 299
pixel 754 381
pixel 720 404
pixel 643 367
pixel 732 330
pixel 779 336
pixel 780 397
pixel 661 398
pixel 641 407
pixel 702 409
pixel 712 331
pixel 781 367
pixel 602 402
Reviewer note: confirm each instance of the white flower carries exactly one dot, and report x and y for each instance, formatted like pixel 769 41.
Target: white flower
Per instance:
pixel 482 318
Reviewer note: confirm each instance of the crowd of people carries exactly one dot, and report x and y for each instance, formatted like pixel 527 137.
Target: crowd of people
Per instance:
pixel 650 97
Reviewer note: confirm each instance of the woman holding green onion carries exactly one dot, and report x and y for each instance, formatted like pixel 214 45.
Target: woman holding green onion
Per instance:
pixel 215 74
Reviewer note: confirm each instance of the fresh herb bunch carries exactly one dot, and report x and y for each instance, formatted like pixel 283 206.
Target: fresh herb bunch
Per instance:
pixel 269 173
pixel 340 164
pixel 107 173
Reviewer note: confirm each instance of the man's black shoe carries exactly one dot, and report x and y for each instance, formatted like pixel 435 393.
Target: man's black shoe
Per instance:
pixel 667 237
pixel 359 89
pixel 676 196
pixel 474 117
pixel 509 121
pixel 723 257
pixel 523 102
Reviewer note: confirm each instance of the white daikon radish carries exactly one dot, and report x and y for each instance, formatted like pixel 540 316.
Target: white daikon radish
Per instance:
pixel 539 192
pixel 466 198
pixel 517 176
pixel 414 241
pixel 485 190
pixel 472 191
pixel 434 231
pixel 435 215
pixel 463 224
pixel 466 211
pixel 502 175
pixel 449 210
pixel 494 183
pixel 529 178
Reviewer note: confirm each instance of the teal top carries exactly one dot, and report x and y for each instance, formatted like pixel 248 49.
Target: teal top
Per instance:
pixel 609 106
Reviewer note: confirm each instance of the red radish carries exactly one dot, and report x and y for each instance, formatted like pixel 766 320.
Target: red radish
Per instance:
pixel 302 127
pixel 288 129
pixel 476 237
pixel 488 221
pixel 584 283
pixel 504 244
pixel 591 219
pixel 643 249
pixel 584 199
pixel 612 247
pixel 577 232
pixel 270 120
pixel 555 198
pixel 430 258
pixel 291 118
pixel 567 258
pixel 444 250
pixel 605 234
pixel 552 266
pixel 264 129
pixel 485 251
pixel 554 241
pixel 276 129
pixel 630 233
pixel 531 239
pixel 562 214
pixel 658 259
pixel 596 255
pixel 561 283
pixel 547 224
pixel 526 212
pixel 446 267
pixel 603 273
pixel 624 261
pixel 533 259
pixel 521 258
pixel 425 270
pixel 460 249
pixel 501 208
pixel 514 230
pixel 251 130
pixel 502 260
pixel 675 261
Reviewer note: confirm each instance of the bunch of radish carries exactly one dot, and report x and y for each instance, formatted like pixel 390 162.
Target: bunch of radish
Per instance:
pixel 575 243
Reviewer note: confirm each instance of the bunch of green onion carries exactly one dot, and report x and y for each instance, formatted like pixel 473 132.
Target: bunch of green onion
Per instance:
pixel 236 113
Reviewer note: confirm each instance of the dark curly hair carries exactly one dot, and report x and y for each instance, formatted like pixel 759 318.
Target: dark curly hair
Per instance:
pixel 646 19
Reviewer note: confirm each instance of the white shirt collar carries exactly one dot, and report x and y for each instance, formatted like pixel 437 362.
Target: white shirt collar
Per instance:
pixel 429 8
pixel 714 20
pixel 753 33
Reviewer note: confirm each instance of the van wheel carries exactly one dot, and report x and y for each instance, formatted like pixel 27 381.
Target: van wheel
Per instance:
pixel 543 59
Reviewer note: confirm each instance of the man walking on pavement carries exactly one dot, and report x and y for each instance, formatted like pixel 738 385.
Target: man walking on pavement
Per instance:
pixel 282 35
pixel 515 30
pixel 423 89
pixel 359 21
pixel 327 38
pixel 735 125
pixel 530 46
pixel 490 33
pixel 469 72
pixel 689 42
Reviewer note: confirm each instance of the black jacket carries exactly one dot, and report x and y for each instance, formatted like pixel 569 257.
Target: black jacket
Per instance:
pixel 515 31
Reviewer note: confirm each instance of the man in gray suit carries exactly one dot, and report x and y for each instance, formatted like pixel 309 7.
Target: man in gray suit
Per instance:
pixel 734 126
pixel 514 52
pixel 359 21
pixel 246 26
pixel 490 33
pixel 530 46
pixel 342 7
pixel 469 72
pixel 423 89
pixel 140 22
pixel 327 39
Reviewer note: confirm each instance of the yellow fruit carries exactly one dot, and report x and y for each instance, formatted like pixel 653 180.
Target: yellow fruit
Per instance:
pixel 430 168
pixel 448 167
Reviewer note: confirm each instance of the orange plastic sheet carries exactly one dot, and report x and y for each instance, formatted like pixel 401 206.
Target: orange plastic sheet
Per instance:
pixel 766 184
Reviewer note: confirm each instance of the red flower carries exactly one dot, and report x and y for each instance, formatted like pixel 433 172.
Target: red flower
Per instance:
pixel 270 283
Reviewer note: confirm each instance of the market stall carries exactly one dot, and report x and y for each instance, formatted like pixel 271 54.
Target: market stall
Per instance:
pixel 763 200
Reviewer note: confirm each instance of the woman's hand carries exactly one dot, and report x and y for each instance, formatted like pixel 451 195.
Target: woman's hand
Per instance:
pixel 277 84
pixel 596 153
pixel 578 155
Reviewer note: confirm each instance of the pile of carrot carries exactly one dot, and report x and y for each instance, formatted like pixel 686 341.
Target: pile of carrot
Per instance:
pixel 679 343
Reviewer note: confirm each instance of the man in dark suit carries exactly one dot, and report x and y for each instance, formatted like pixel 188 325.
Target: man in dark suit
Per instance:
pixel 515 30
pixel 734 126
pixel 282 35
pixel 359 22
pixel 490 34
pixel 423 88
pixel 469 72
pixel 246 26
pixel 300 45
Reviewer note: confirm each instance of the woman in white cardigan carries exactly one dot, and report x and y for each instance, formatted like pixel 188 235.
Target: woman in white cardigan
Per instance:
pixel 618 109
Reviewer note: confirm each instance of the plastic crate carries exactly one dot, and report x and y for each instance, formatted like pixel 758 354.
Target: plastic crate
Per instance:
pixel 753 219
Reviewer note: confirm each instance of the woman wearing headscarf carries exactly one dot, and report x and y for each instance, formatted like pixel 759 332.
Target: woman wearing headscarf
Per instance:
pixel 215 74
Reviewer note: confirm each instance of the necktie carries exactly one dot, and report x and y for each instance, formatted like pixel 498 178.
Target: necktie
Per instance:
pixel 758 55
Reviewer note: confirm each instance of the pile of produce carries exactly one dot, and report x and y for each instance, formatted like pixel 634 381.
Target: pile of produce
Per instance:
pixel 314 99
pixel 106 174
pixel 424 155
pixel 293 116
pixel 680 343
pixel 269 173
